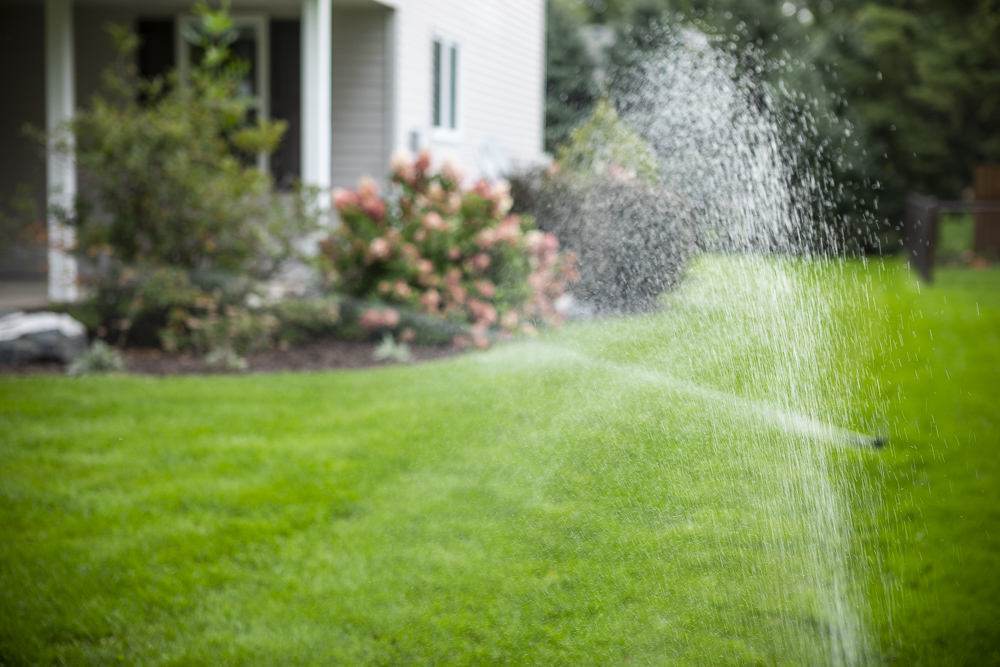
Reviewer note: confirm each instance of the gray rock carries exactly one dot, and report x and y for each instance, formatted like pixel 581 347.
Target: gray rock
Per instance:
pixel 26 337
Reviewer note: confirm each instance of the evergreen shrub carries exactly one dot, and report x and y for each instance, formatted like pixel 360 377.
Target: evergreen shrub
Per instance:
pixel 176 224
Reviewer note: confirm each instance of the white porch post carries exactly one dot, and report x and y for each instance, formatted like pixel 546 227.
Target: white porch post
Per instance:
pixel 60 169
pixel 317 149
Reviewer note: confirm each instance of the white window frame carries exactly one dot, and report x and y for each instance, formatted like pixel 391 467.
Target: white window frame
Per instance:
pixel 450 75
pixel 261 102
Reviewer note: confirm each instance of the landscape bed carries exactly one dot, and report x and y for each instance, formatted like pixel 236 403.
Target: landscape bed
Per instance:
pixel 321 354
pixel 567 500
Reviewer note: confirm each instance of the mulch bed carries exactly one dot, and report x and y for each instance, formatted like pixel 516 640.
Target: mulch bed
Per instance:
pixel 315 356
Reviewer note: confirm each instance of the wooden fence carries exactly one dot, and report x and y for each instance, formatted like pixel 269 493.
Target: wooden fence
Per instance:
pixel 920 221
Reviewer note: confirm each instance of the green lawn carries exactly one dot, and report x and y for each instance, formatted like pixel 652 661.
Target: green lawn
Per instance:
pixel 940 479
pixel 675 489
pixel 955 234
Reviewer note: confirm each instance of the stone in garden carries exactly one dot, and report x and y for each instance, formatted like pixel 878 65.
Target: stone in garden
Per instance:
pixel 26 337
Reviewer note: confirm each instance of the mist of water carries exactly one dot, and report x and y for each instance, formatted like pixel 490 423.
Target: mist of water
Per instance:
pixel 771 337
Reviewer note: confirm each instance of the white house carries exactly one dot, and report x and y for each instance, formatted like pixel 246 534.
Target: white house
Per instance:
pixel 355 79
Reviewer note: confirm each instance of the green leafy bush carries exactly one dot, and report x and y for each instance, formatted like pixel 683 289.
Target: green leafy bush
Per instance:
pixel 300 320
pixel 364 319
pixel 176 224
pixel 207 327
pixel 437 248
pixel 241 328
pixel 100 358
pixel 166 169
pixel 392 350
pixel 225 360
pixel 149 304
pixel 603 146
pixel 178 309
pixel 604 200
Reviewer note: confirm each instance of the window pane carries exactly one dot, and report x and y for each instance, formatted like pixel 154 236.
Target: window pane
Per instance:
pixel 453 118
pixel 436 92
pixel 244 48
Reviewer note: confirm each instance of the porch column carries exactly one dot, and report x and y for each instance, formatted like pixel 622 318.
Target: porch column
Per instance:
pixel 317 148
pixel 60 170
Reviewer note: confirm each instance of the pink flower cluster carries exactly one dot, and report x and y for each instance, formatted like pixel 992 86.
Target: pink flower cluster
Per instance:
pixel 375 319
pixel 366 198
pixel 445 250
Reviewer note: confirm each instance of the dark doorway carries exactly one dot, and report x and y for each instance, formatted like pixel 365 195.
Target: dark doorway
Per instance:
pixel 286 98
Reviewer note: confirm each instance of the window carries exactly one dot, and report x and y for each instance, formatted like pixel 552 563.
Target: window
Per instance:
pixel 444 77
pixel 251 46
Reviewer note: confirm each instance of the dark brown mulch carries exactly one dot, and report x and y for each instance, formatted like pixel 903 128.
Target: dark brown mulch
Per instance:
pixel 315 356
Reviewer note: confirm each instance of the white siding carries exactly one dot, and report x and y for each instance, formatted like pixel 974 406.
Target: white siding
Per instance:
pixel 361 112
pixel 501 75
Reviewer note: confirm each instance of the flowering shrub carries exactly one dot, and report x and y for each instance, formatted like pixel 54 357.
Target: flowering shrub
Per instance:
pixel 446 251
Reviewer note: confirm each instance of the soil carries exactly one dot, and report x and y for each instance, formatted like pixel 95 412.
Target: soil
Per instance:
pixel 315 356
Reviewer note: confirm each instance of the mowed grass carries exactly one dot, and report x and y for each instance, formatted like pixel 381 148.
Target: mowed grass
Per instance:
pixel 939 480
pixel 574 500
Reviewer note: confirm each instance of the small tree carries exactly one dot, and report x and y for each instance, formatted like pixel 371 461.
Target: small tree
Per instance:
pixel 167 166
pixel 174 215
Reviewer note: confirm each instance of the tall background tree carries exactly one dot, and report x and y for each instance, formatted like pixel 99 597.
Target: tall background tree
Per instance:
pixel 915 83
pixel 570 90
pixel 925 77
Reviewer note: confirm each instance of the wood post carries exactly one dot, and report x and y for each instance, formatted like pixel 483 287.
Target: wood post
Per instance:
pixel 920 216
pixel 986 240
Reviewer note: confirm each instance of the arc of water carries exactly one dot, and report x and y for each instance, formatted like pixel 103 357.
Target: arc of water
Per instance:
pixel 786 420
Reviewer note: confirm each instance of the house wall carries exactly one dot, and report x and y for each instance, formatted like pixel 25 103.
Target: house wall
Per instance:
pixel 361 101
pixel 501 75
pixel 381 71
pixel 22 161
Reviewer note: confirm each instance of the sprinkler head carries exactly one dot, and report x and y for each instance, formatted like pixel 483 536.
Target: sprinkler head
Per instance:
pixel 879 441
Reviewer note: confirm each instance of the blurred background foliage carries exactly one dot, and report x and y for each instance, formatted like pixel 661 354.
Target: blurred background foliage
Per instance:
pixel 916 83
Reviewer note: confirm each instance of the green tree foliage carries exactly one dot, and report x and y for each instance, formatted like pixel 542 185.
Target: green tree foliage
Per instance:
pixel 776 45
pixel 916 83
pixel 608 11
pixel 925 76
pixel 569 73
pixel 169 171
